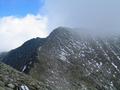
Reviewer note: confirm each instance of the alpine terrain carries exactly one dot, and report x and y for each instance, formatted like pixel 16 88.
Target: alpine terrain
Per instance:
pixel 68 60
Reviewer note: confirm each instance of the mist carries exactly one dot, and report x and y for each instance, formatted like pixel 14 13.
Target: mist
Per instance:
pixel 95 16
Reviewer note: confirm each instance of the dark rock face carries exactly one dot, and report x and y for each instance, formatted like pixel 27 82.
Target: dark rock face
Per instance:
pixel 67 60
pixel 23 57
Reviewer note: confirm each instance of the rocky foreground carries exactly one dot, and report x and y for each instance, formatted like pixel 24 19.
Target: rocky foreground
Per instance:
pixel 10 79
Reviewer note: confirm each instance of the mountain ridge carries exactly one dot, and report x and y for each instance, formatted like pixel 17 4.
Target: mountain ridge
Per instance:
pixel 23 54
pixel 67 60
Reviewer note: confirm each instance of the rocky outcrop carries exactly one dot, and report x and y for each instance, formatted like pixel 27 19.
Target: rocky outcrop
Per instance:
pixel 10 79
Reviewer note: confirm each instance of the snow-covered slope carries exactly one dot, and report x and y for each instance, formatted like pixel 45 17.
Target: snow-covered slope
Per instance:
pixel 68 60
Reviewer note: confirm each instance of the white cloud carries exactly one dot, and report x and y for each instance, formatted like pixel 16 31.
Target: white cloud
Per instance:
pixel 16 30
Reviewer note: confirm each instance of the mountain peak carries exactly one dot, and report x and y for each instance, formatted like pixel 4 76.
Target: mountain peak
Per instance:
pixel 60 31
pixel 70 60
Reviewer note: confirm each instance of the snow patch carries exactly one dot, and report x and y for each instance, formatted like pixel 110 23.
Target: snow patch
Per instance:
pixel 111 83
pixel 39 48
pixel 24 68
pixel 62 56
pixel 113 51
pixel 83 55
pixel 116 67
pixel 24 87
pixel 99 64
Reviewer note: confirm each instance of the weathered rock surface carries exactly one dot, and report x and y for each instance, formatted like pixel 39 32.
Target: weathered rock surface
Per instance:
pixel 11 79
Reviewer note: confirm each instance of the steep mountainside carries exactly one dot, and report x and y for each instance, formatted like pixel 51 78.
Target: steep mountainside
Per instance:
pixel 24 56
pixel 67 60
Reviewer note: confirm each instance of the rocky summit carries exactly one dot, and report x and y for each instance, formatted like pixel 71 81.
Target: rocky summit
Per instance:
pixel 69 60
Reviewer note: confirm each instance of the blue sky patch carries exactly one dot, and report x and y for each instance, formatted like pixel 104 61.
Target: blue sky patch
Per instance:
pixel 20 7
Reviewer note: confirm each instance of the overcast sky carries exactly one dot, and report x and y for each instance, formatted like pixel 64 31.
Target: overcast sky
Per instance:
pixel 94 15
pixel 21 20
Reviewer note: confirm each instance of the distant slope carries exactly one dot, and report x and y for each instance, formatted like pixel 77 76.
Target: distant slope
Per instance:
pixel 67 60
pixel 2 55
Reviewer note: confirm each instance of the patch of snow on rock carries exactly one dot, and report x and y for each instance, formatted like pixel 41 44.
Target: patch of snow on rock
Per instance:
pixel 62 56
pixel 116 67
pixel 24 68
pixel 24 87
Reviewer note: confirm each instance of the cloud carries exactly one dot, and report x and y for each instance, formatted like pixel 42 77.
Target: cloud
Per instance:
pixel 16 30
pixel 95 16
pixel 98 16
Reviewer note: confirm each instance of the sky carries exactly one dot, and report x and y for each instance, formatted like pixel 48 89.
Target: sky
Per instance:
pixel 96 16
pixel 21 20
